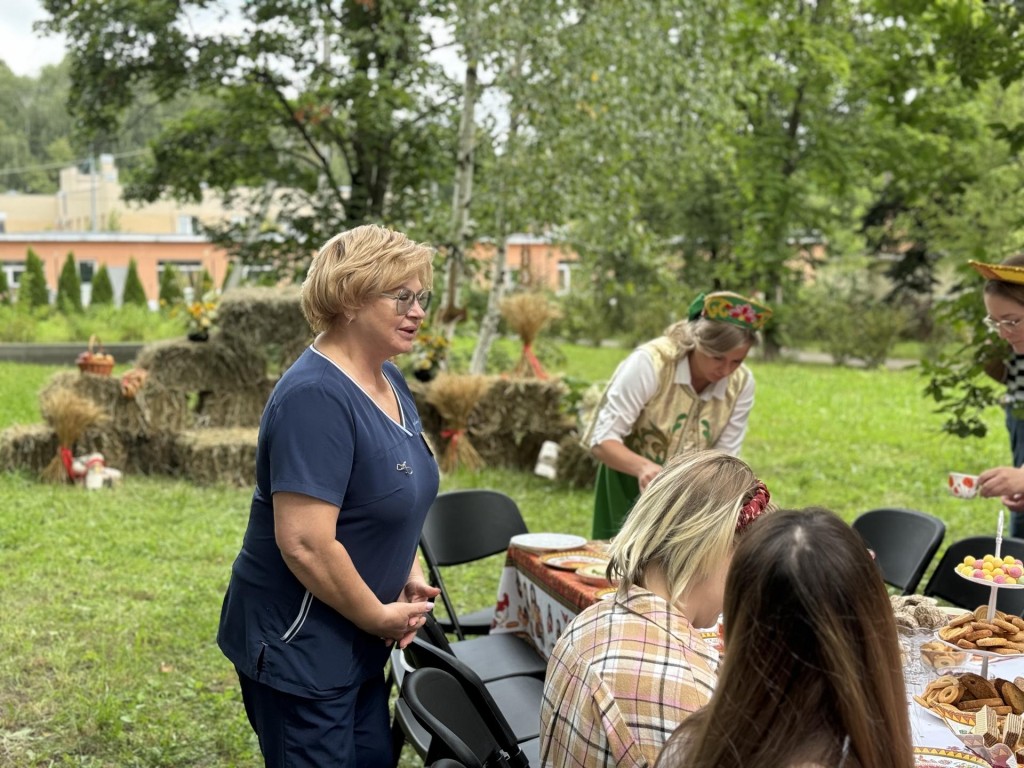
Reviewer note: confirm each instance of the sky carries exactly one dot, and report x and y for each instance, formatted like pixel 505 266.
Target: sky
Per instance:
pixel 25 52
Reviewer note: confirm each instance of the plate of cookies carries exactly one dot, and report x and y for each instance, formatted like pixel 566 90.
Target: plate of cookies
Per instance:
pixel 972 631
pixel 959 698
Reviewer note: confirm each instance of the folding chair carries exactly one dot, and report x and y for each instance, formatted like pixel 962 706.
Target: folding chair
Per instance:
pixel 492 657
pixel 516 699
pixel 948 585
pixel 463 526
pixel 904 542
pixel 462 727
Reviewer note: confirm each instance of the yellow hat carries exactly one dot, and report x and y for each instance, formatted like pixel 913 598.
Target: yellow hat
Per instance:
pixel 1002 272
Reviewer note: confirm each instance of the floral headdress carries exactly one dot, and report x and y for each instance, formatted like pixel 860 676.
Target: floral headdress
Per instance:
pixel 728 307
pixel 754 508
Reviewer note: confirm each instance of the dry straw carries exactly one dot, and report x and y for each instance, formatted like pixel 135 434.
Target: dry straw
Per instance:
pixel 455 396
pixel 70 415
pixel 527 314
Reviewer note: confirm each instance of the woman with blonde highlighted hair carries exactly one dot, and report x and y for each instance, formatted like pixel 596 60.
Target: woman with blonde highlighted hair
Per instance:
pixel 812 676
pixel 627 671
pixel 686 391
pixel 328 578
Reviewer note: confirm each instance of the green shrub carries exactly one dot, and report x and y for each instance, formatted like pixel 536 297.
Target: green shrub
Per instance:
pixel 16 325
pixel 5 289
pixel 102 288
pixel 33 290
pixel 134 293
pixel 69 287
pixel 170 287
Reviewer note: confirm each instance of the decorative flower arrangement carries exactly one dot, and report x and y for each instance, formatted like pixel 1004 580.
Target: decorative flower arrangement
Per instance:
pixel 201 316
pixel 429 353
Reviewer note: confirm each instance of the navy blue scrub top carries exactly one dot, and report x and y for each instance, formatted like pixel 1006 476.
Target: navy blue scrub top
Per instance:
pixel 321 435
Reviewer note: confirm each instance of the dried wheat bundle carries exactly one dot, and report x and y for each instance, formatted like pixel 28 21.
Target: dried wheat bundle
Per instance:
pixel 455 396
pixel 527 314
pixel 70 415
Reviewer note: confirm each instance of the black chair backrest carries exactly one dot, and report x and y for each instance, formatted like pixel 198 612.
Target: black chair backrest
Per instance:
pixel 948 585
pixel 458 731
pixel 424 655
pixel 904 542
pixel 463 526
pixel 432 632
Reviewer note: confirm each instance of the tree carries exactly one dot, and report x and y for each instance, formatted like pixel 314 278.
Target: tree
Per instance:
pixel 170 287
pixel 69 287
pixel 33 282
pixel 318 116
pixel 5 290
pixel 102 288
pixel 134 293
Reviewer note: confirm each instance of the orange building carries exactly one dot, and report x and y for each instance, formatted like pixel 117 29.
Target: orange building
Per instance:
pixel 531 261
pixel 190 254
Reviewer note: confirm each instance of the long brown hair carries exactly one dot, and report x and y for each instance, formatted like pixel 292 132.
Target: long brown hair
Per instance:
pixel 811 656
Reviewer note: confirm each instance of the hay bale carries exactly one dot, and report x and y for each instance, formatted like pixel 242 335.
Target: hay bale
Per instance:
pixel 212 456
pixel 28 448
pixel 155 408
pixel 456 396
pixel 269 319
pixel 216 365
pixel 241 407
pixel 515 417
pixel 576 467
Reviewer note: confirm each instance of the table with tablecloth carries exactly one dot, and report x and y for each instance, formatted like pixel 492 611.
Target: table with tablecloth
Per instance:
pixel 538 601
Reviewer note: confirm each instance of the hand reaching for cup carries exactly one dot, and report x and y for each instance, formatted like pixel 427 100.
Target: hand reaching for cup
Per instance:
pixel 1004 482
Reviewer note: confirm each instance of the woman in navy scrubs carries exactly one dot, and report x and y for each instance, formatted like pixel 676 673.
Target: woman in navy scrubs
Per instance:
pixel 327 579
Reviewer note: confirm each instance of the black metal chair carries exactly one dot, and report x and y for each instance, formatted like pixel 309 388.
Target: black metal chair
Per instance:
pixel 948 585
pixel 492 657
pixel 904 542
pixel 463 526
pixel 405 728
pixel 460 729
pixel 516 699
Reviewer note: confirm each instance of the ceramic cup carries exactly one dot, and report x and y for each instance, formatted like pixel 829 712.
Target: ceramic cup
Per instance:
pixel 963 486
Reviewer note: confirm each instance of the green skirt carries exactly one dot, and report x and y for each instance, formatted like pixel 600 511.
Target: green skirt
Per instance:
pixel 614 495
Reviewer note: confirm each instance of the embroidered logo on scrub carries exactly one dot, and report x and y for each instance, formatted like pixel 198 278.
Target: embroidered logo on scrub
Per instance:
pixel 404 467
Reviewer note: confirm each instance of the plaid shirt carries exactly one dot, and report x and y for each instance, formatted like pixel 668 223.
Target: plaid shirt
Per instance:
pixel 622 676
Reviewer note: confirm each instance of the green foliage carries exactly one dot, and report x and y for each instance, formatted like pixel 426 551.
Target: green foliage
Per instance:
pixel 17 324
pixel 102 288
pixel 5 289
pixel 847 316
pixel 134 293
pixel 33 290
pixel 205 285
pixel 171 292
pixel 69 287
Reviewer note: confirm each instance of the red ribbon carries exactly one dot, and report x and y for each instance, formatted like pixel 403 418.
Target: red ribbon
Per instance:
pixel 453 435
pixel 538 369
pixel 67 459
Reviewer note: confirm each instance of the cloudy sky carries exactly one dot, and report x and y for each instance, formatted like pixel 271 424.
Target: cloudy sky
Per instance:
pixel 24 51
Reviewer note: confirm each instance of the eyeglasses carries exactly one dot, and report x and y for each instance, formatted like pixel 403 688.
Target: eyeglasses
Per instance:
pixel 404 299
pixel 1001 325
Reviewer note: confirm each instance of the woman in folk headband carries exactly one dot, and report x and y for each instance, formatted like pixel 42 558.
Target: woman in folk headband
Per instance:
pixel 685 391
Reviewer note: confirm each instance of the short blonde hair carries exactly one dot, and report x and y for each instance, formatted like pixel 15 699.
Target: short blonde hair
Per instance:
pixel 356 265
pixel 684 522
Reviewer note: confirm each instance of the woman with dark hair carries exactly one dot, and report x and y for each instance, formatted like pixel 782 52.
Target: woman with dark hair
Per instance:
pixel 812 676
pixel 685 391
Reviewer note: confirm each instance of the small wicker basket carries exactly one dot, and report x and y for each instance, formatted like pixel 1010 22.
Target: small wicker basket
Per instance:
pixel 98 367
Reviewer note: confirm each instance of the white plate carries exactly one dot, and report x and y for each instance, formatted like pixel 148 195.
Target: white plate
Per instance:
pixel 606 594
pixel 934 757
pixel 547 542
pixel 594 573
pixel 988 583
pixel 572 561
pixel 992 655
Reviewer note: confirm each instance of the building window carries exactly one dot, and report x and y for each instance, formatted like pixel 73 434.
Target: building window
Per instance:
pixel 564 278
pixel 3 223
pixel 13 270
pixel 86 269
pixel 187 225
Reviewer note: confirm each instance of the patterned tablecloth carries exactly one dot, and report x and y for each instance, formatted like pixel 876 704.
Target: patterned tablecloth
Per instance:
pixel 538 601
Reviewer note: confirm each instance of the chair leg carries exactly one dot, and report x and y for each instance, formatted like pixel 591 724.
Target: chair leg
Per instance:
pixel 397 741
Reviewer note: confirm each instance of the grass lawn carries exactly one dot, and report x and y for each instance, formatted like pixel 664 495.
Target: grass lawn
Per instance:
pixel 109 600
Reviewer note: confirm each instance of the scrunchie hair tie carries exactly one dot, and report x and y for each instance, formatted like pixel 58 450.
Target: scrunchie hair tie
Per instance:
pixel 754 508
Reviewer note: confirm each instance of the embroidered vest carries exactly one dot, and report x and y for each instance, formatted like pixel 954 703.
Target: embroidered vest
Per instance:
pixel 676 420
